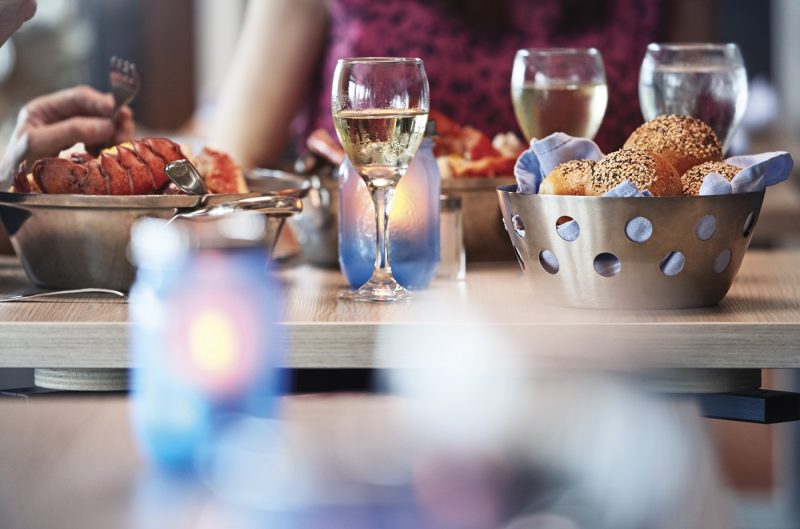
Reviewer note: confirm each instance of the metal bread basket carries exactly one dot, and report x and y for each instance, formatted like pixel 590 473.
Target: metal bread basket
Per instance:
pixel 631 253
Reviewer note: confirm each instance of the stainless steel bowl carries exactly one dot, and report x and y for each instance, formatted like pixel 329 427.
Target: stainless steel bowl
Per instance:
pixel 79 241
pixel 316 228
pixel 580 270
pixel 273 181
pixel 484 236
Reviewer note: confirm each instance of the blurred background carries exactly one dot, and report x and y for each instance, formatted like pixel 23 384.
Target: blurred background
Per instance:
pixel 183 49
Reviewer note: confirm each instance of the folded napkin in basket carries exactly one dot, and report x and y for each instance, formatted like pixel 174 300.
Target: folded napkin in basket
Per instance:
pixel 758 172
pixel 544 155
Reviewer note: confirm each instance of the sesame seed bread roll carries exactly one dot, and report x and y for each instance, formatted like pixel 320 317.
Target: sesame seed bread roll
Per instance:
pixel 681 140
pixel 643 169
pixel 692 179
pixel 568 178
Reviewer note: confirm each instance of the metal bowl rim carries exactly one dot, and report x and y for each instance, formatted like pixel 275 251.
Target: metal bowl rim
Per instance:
pixel 475 183
pixel 511 190
pixel 123 202
pixel 300 187
pixel 126 202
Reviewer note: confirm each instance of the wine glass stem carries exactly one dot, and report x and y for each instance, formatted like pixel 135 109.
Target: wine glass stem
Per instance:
pixel 382 197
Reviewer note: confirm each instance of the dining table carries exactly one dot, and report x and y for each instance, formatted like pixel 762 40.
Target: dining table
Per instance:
pixel 756 326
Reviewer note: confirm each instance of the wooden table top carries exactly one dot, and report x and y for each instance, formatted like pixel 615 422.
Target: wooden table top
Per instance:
pixel 757 325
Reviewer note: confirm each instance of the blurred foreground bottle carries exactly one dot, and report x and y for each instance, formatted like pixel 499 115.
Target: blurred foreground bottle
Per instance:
pixel 204 338
pixel 413 222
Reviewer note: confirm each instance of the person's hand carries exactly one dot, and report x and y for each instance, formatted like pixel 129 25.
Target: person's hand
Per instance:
pixel 54 122
pixel 13 13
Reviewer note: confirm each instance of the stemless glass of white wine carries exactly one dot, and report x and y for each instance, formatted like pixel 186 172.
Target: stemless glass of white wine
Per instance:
pixel 559 90
pixel 704 81
pixel 380 108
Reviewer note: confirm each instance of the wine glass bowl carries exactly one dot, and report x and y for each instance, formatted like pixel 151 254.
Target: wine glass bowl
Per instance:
pixel 704 81
pixel 380 108
pixel 559 90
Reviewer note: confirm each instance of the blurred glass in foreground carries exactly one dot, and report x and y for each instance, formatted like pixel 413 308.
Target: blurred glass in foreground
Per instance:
pixel 473 432
pixel 502 441
pixel 204 338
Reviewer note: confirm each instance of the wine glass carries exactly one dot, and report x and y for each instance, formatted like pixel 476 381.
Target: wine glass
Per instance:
pixel 559 90
pixel 380 108
pixel 705 81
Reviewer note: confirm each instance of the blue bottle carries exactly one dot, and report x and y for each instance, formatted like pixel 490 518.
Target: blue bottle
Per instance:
pixel 203 339
pixel 413 222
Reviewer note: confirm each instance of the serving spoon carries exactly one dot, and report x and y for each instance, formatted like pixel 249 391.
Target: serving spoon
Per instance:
pixel 186 176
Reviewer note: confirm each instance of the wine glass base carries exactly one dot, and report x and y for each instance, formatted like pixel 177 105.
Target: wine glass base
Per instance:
pixel 382 291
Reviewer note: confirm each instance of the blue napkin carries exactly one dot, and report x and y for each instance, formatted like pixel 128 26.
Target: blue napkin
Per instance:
pixel 544 155
pixel 758 172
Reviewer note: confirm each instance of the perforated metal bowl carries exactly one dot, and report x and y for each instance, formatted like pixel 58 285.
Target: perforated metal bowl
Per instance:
pixel 692 254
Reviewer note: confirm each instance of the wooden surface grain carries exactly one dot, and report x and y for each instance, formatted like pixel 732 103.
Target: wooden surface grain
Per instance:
pixel 757 325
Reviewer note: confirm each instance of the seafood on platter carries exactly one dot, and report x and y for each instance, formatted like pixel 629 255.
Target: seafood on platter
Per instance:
pixel 464 151
pixel 131 168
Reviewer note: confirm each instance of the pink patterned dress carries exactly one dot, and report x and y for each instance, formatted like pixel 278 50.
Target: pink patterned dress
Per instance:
pixel 470 72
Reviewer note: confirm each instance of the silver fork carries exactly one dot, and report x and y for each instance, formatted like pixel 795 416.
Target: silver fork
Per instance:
pixel 124 83
pixel 34 295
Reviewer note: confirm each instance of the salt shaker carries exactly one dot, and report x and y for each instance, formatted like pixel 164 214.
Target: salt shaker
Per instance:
pixel 453 264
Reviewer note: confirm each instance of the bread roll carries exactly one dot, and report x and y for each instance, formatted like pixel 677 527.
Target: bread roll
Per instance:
pixel 692 179
pixel 682 141
pixel 643 169
pixel 568 178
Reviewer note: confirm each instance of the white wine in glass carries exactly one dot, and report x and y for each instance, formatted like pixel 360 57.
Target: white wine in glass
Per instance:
pixel 704 81
pixel 559 90
pixel 380 108
pixel 380 142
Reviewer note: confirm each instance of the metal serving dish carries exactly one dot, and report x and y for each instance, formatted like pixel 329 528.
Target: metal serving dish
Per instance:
pixel 273 181
pixel 316 228
pixel 79 241
pixel 484 236
pixel 638 280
